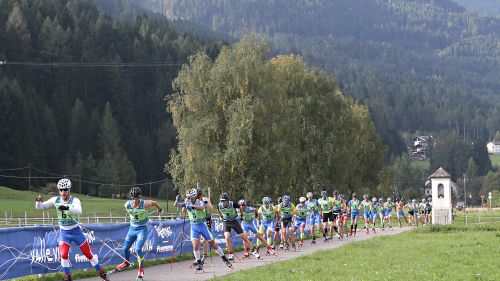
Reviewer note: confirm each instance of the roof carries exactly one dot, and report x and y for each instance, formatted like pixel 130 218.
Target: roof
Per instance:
pixel 440 173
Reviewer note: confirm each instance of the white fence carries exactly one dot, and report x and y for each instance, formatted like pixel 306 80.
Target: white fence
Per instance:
pixel 30 221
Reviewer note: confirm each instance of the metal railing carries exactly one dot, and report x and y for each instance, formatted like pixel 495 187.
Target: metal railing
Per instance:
pixel 32 221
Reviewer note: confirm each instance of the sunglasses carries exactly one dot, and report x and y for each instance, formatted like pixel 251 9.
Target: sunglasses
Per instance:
pixel 63 189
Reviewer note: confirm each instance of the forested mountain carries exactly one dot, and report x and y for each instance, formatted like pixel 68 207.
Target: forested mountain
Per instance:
pixel 490 7
pixel 418 65
pixel 82 93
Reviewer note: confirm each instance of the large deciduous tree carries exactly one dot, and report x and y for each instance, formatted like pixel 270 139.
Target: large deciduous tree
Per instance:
pixel 254 126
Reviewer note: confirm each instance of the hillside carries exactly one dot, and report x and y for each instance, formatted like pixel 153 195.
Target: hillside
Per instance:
pixel 418 65
pixel 490 7
pixel 83 94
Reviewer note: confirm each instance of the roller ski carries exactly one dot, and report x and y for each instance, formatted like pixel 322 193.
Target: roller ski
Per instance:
pixel 270 252
pixel 294 247
pixel 287 247
pixel 120 267
pixel 230 256
pixel 246 254
pixel 313 242
pixel 256 254
pixel 282 246
pixel 301 243
pixel 227 262
pixel 103 275
pixel 140 274
pixel 198 266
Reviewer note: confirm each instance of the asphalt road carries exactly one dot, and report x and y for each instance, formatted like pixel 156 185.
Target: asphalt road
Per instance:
pixel 215 267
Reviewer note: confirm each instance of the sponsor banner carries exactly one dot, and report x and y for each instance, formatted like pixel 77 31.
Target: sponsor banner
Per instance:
pixel 34 250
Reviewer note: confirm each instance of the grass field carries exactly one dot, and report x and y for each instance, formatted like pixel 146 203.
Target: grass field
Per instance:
pixel 495 159
pixel 421 164
pixel 17 203
pixel 431 253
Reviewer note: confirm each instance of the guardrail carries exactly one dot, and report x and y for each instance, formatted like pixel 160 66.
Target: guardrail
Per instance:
pixel 29 221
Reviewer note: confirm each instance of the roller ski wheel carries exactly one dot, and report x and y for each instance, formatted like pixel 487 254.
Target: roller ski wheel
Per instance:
pixel 198 266
pixel 67 278
pixel 287 247
pixel 227 262
pixel 294 247
pixel 282 246
pixel 313 241
pixel 230 257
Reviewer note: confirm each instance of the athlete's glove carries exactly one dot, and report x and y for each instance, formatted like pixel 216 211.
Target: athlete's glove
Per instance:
pixel 63 207
pixel 39 198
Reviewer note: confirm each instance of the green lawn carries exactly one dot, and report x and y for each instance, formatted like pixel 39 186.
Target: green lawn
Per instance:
pixel 421 164
pixel 16 203
pixel 432 253
pixel 495 159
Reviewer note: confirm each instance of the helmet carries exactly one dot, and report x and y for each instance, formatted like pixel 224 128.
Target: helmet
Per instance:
pixel 286 198
pixel 365 196
pixel 135 192
pixel 242 202
pixel 309 194
pixel 198 191
pixel 429 199
pixel 341 196
pixel 413 201
pixel 374 199
pixel 381 199
pixel 335 192
pixel 191 193
pixel 64 184
pixel 279 200
pixel 302 199
pixel 224 197
pixel 323 193
pixel 266 200
pixel 423 200
pixel 397 200
pixel 354 194
pixel 389 199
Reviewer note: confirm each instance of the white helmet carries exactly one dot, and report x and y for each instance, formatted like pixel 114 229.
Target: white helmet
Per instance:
pixel 302 199
pixel 374 199
pixel 64 184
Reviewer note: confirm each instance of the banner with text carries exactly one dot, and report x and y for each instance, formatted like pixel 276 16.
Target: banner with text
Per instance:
pixel 34 250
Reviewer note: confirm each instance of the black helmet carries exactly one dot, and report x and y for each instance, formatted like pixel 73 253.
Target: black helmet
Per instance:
pixel 279 200
pixel 135 192
pixel 224 197
pixel 354 194
pixel 335 192
pixel 198 191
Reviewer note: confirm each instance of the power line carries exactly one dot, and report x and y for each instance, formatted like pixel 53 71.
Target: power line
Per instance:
pixel 14 169
pixel 90 64
pixel 72 177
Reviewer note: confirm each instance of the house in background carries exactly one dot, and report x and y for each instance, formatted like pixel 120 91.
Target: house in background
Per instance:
pixel 493 147
pixel 419 148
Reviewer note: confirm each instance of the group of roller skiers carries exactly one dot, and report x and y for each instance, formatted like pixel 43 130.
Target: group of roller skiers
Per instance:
pixel 274 224
pixel 282 223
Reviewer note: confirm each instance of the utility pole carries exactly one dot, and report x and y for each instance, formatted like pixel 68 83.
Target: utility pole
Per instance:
pixel 166 188
pixel 29 175
pixel 465 191
pixel 149 189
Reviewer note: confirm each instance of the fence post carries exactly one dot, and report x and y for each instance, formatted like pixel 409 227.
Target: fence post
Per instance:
pixel 19 222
